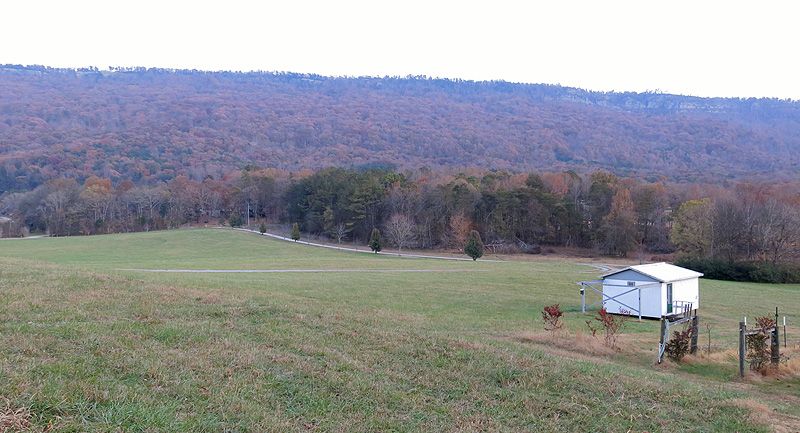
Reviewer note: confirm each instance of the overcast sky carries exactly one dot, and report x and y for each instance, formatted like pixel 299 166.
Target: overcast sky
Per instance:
pixel 702 48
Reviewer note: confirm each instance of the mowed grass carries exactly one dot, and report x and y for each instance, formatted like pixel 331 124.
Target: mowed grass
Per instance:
pixel 87 347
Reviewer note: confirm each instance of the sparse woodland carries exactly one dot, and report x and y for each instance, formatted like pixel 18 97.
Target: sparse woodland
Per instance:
pixel 422 209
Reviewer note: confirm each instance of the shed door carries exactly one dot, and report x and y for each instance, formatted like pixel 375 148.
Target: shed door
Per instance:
pixel 669 298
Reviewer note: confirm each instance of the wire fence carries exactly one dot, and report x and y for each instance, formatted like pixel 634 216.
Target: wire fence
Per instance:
pixel 722 346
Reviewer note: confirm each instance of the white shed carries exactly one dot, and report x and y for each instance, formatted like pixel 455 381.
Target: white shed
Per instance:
pixel 660 289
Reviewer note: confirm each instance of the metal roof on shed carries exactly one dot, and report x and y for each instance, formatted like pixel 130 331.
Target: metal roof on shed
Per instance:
pixel 663 272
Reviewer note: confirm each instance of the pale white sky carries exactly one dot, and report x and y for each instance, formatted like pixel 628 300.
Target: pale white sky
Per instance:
pixel 697 47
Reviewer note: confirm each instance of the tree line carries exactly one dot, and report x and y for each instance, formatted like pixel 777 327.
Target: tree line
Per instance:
pixel 513 212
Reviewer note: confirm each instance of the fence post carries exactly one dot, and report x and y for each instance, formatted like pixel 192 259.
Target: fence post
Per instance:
pixel 741 348
pixel 775 349
pixel 695 331
pixel 775 341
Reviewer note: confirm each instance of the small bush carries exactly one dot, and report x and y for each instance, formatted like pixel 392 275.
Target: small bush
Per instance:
pixel 552 318
pixel 759 345
pixel 235 220
pixel 679 345
pixel 532 249
pixel 610 325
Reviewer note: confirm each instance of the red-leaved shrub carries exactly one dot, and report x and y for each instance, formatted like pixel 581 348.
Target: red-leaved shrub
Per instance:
pixel 610 324
pixel 552 318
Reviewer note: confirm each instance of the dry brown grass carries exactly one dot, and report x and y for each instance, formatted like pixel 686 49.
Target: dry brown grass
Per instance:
pixel 793 366
pixel 13 419
pixel 759 412
pixel 724 356
pixel 579 342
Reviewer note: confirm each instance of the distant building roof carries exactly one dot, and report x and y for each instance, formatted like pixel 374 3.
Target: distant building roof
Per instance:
pixel 663 272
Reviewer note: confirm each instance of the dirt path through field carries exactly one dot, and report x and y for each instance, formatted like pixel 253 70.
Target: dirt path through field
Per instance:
pixel 341 248
pixel 233 271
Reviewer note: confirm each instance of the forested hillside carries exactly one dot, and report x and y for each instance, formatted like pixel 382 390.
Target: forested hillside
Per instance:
pixel 149 125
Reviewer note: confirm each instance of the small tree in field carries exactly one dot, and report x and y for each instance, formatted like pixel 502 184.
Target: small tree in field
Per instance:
pixel 474 247
pixel 608 323
pixel 552 318
pixel 262 228
pixel 375 241
pixel 295 232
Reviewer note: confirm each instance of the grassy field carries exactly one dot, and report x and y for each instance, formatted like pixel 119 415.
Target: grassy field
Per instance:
pixel 392 344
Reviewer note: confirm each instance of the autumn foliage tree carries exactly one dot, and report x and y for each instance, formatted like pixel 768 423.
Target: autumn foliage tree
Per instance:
pixel 692 230
pixel 619 226
pixel 460 227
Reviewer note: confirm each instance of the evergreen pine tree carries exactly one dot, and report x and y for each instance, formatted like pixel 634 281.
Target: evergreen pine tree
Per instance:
pixel 375 241
pixel 262 228
pixel 295 232
pixel 474 247
pixel 235 220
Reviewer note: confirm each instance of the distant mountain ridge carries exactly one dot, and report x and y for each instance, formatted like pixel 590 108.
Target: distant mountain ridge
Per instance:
pixel 153 124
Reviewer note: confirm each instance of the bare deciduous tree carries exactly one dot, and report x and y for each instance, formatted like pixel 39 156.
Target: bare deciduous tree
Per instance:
pixel 339 232
pixel 777 233
pixel 399 230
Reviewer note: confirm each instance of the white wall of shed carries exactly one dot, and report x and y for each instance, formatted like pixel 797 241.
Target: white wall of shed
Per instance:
pixel 684 290
pixel 653 298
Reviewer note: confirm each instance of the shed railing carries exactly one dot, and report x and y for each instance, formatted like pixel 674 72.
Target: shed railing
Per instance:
pixel 682 308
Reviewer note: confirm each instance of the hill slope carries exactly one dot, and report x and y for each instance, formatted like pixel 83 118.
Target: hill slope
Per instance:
pixel 89 348
pixel 153 124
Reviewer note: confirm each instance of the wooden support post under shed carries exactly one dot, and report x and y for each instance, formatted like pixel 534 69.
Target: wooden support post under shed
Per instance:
pixel 662 339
